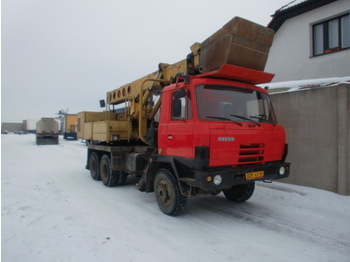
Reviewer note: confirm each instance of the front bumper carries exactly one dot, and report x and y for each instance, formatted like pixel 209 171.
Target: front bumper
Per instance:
pixel 230 176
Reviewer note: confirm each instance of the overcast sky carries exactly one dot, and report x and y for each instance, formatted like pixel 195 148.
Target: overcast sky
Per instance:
pixel 66 54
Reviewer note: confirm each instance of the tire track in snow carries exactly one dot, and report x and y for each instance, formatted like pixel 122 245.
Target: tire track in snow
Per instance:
pixel 266 217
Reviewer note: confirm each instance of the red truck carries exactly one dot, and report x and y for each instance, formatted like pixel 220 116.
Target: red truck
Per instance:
pixel 216 131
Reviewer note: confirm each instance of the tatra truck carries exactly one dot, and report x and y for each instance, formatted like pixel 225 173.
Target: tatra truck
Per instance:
pixel 196 126
pixel 69 127
pixel 47 130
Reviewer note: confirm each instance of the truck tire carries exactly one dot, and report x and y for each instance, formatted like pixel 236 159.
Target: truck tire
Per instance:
pixel 94 166
pixel 168 195
pixel 108 177
pixel 240 193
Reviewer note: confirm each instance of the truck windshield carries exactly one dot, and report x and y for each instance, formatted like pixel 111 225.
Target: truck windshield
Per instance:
pixel 237 104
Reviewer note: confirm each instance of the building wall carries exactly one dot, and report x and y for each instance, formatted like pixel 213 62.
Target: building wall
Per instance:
pixel 317 124
pixel 291 51
pixel 12 127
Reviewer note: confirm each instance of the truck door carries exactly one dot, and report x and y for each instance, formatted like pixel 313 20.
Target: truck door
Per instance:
pixel 179 135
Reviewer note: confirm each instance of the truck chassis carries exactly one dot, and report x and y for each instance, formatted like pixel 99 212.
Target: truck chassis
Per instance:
pixel 174 179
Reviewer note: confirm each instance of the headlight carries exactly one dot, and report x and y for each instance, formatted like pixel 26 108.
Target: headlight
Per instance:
pixel 282 170
pixel 217 180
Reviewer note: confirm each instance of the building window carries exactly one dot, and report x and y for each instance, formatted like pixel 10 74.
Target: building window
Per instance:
pixel 331 35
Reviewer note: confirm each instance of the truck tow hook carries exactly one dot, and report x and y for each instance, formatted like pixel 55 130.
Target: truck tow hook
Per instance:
pixel 267 181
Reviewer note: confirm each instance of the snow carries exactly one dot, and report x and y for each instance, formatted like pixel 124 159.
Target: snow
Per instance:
pixel 298 85
pixel 53 211
pixel 290 4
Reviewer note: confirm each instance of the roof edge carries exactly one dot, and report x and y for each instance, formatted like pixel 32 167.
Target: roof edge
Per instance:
pixel 280 16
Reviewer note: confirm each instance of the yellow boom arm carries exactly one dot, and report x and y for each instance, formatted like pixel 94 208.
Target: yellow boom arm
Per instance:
pixel 239 42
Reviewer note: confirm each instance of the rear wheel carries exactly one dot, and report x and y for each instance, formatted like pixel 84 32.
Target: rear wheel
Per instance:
pixel 240 193
pixel 108 177
pixel 168 194
pixel 94 166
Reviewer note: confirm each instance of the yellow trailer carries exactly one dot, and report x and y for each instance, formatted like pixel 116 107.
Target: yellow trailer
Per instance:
pixel 69 126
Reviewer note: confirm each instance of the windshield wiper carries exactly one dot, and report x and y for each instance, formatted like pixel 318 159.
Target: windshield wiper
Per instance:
pixel 262 118
pixel 224 118
pixel 246 118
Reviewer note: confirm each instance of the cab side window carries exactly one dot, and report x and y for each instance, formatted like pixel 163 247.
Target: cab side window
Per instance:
pixel 182 106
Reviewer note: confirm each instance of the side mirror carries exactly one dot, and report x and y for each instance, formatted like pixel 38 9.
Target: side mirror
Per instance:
pixel 102 103
pixel 181 93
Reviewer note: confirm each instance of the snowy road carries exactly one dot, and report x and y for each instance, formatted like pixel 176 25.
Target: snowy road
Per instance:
pixel 53 211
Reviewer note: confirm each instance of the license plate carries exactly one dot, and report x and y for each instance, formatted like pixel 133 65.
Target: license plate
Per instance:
pixel 254 175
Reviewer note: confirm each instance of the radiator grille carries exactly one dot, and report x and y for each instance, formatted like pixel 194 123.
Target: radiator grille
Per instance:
pixel 251 153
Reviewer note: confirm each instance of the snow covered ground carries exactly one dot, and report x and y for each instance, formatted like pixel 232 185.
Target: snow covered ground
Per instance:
pixel 53 211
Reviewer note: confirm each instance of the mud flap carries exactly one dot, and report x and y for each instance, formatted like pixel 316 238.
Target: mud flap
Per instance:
pixel 141 185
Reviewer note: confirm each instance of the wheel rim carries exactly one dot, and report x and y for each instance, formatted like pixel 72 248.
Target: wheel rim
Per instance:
pixel 164 193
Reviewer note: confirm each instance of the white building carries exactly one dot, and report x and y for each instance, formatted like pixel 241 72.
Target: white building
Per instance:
pixel 312 40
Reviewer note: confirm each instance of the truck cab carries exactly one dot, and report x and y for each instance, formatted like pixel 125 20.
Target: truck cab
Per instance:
pixel 221 127
pixel 234 119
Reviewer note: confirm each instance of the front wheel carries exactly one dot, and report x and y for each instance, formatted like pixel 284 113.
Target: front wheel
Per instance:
pixel 168 195
pixel 240 193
